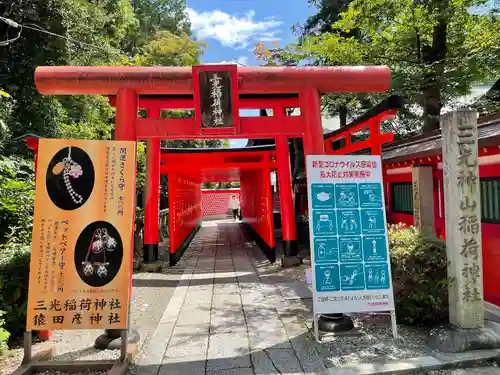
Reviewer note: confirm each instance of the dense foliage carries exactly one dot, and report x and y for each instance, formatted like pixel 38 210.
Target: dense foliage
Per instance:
pixel 14 277
pixel 419 276
pixel 436 50
pixel 69 32
pixel 16 200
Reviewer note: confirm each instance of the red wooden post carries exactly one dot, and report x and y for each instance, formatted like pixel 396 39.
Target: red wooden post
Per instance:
pixel 126 115
pixel 125 126
pixel 152 195
pixel 172 211
pixel 32 143
pixel 152 201
pixel 310 110
pixel 289 233
pixel 376 148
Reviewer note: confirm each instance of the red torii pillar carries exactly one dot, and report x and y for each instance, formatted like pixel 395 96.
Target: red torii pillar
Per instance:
pixel 152 195
pixel 32 143
pixel 289 232
pixel 125 130
pixel 310 109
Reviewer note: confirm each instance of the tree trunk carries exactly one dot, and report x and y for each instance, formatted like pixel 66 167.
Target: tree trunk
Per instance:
pixel 299 162
pixel 434 60
pixel 432 108
pixel 343 115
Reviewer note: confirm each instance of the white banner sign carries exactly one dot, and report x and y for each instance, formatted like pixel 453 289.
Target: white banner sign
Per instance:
pixel 350 256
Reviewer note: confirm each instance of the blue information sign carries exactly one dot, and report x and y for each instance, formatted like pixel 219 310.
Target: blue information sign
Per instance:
pixel 327 277
pixel 326 250
pixel 377 276
pixel 346 196
pixel 375 248
pixel 350 249
pixel 323 196
pixel 373 221
pixel 370 195
pixel 324 223
pixel 348 222
pixel 352 276
pixel 351 269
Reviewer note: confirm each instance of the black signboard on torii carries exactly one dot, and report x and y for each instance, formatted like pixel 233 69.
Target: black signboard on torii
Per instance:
pixel 216 98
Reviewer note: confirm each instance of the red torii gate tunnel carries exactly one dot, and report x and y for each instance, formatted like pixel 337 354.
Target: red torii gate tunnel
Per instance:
pixel 216 93
pixel 187 169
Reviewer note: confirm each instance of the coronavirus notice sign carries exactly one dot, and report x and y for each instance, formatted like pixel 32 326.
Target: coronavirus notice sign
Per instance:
pixel 351 266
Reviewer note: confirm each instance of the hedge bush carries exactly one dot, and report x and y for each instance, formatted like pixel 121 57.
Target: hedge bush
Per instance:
pixel 419 273
pixel 14 279
pixel 4 334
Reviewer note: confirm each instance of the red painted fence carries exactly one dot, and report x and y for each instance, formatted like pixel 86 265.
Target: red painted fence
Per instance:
pixel 184 208
pixel 216 202
pixel 256 204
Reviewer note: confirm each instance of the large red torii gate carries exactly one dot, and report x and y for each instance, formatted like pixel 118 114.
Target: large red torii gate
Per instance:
pixel 159 88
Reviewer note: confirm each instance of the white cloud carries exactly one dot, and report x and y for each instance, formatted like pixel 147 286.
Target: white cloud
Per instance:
pixel 231 30
pixel 241 61
pixel 269 36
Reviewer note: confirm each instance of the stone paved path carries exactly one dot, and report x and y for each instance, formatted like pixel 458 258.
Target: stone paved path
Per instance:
pixel 222 319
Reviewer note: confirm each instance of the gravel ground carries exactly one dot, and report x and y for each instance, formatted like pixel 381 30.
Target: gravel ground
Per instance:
pixel 375 344
pixel 490 370
pixel 150 296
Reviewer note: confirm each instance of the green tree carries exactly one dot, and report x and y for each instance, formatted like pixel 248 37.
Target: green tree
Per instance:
pixel 90 34
pixel 168 49
pixel 328 13
pixel 6 105
pixel 433 60
pixel 436 49
pixel 16 200
pixel 153 16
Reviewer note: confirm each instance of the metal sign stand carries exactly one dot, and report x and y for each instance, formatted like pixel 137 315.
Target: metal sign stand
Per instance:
pixel 316 328
pixel 30 366
pixel 394 325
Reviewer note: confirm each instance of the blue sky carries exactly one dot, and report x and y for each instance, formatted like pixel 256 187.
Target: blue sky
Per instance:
pixel 231 28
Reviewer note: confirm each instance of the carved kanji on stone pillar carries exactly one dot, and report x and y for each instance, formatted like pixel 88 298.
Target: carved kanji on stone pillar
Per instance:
pixel 463 218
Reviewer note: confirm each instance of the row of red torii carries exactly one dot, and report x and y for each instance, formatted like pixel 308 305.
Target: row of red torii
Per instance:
pixel 217 93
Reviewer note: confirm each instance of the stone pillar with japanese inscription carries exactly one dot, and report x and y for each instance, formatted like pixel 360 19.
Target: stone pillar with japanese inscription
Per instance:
pixel 423 199
pixel 463 218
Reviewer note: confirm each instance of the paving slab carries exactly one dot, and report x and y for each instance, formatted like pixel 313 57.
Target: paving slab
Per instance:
pixel 227 351
pixel 226 287
pixel 227 321
pixel 188 365
pixel 262 364
pixel 221 301
pixel 232 371
pixel 269 338
pixel 294 290
pixel 285 361
pixel 193 314
pixel 198 297
pixel 188 341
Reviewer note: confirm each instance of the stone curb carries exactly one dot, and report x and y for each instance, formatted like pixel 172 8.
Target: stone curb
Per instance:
pixel 418 365
pixel 160 338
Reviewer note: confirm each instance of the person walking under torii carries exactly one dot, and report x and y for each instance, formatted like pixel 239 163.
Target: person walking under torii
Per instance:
pixel 234 206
